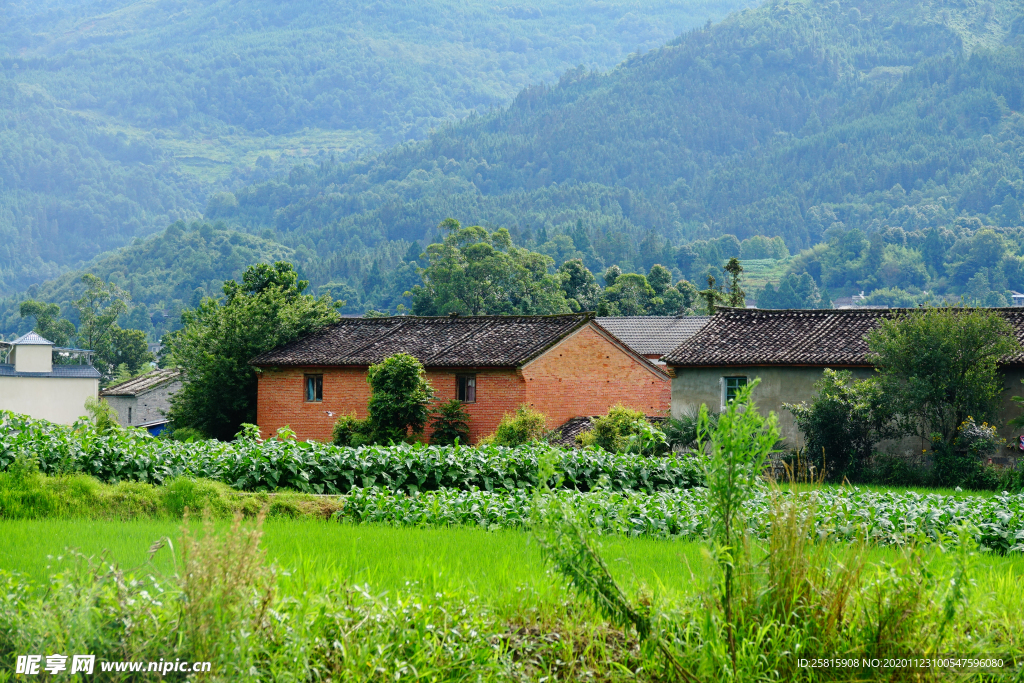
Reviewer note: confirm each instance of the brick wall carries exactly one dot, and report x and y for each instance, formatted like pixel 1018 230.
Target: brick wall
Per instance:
pixel 281 399
pixel 586 373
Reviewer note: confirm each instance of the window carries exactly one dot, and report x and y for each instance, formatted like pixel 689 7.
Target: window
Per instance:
pixel 731 385
pixel 466 391
pixel 314 388
pixel 129 414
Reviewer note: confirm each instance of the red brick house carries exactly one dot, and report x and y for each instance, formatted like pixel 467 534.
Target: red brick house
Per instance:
pixel 563 365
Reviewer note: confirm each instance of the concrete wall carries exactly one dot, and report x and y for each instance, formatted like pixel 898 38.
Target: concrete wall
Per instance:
pixel 57 399
pixel 33 358
pixel 694 386
pixel 1012 381
pixel 147 407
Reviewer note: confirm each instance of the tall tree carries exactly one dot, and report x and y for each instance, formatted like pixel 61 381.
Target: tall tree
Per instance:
pixel 473 272
pixel 266 309
pixel 49 323
pixel 938 366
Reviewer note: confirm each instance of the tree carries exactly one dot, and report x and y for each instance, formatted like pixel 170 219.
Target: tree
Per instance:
pixel 128 348
pixel 579 285
pixel 736 296
pixel 399 400
pixel 843 422
pixel 473 272
pixel 630 295
pixel 450 422
pixel 49 324
pixel 98 309
pixel 711 297
pixel 217 340
pixel 938 366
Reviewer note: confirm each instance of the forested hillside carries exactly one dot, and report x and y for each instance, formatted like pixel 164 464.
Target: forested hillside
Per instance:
pixel 118 117
pixel 801 120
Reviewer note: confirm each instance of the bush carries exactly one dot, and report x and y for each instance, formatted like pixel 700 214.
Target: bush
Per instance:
pixel 400 398
pixel 962 463
pixel 892 470
pixel 842 424
pixel 624 430
pixel 350 431
pixel 683 431
pixel 525 426
pixel 451 422
pixel 103 416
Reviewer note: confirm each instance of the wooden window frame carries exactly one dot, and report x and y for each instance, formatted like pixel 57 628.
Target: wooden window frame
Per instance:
pixel 317 388
pixel 466 385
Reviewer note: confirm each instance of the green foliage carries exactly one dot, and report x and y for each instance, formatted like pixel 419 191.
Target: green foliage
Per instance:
pixel 202 99
pixel 579 286
pixel 938 366
pixel 635 294
pixel 1018 422
pixel 794 291
pixel 476 273
pixel 962 461
pixel 525 426
pixel 49 324
pixel 349 430
pixel 843 423
pixel 104 418
pixel 689 430
pixel 400 398
pixel 280 463
pixel 450 423
pixel 623 430
pixel 268 308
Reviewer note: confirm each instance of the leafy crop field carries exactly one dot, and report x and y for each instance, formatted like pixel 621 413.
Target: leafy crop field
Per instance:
pixel 251 465
pixel 843 514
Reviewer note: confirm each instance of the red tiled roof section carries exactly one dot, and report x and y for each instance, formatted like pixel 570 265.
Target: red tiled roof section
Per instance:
pixel 794 337
pixel 471 341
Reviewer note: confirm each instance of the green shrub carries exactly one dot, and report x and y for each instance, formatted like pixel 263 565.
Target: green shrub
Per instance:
pixel 624 430
pixel 196 495
pixel 349 430
pixel 451 422
pixel 892 470
pixel 103 416
pixel 682 432
pixel 525 426
pixel 962 462
pixel 842 424
pixel 22 494
pixel 399 400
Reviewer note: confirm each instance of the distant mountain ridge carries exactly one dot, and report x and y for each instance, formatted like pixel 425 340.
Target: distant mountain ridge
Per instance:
pixel 120 117
pixel 819 122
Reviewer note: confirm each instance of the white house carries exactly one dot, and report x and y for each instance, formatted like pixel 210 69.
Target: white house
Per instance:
pixel 32 385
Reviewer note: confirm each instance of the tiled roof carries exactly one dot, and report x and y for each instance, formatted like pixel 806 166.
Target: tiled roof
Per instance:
pixel 80 371
pixel 565 436
pixel 31 339
pixel 794 337
pixel 142 383
pixel 471 341
pixel 653 334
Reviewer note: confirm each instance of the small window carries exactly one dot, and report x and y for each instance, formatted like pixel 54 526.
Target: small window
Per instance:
pixel 730 386
pixel 314 388
pixel 129 414
pixel 466 391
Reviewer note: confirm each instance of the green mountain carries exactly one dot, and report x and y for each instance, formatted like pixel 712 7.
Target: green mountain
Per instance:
pixel 805 120
pixel 118 117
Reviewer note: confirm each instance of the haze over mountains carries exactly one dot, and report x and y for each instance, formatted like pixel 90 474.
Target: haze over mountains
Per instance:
pixel 120 117
pixel 883 138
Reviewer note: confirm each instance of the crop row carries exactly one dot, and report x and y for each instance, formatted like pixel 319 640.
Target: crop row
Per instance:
pixel 253 465
pixel 846 514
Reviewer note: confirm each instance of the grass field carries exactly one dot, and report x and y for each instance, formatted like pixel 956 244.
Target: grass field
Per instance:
pixel 502 568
